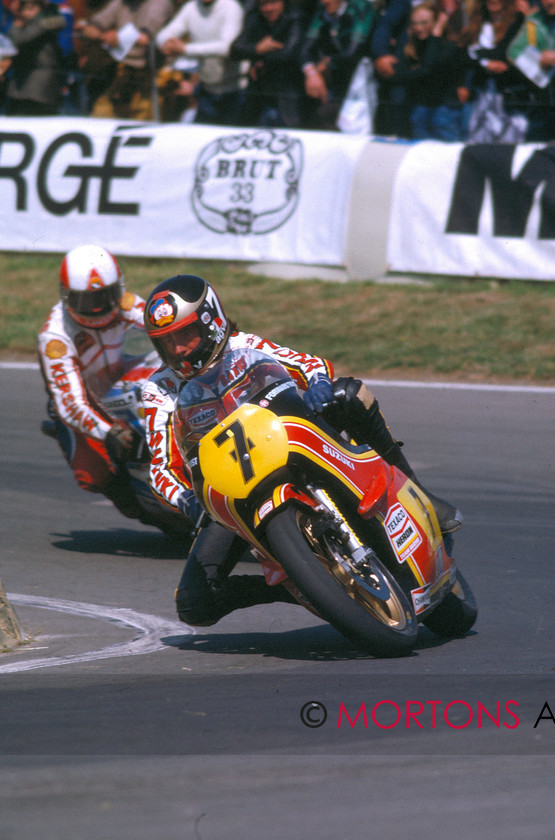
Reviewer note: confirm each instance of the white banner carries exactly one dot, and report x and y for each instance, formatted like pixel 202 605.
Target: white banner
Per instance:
pixel 175 190
pixel 485 210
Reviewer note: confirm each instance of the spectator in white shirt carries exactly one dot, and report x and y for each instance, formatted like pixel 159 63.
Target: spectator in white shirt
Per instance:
pixel 204 30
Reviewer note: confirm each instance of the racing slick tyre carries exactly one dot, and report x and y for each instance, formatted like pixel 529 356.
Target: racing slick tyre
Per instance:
pixel 369 608
pixel 456 614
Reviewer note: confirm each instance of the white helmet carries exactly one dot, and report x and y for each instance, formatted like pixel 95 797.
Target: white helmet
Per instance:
pixel 91 285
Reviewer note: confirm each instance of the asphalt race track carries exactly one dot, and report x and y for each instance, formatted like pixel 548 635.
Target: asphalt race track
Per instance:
pixel 117 721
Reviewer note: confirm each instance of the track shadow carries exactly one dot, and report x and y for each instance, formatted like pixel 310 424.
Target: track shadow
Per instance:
pixel 316 644
pixel 122 542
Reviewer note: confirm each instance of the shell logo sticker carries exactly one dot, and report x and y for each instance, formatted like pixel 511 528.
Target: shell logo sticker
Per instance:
pixel 55 349
pixel 127 301
pixel 403 534
pixel 162 312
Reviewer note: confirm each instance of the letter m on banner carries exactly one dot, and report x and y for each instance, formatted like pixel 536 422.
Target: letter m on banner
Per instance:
pixel 512 196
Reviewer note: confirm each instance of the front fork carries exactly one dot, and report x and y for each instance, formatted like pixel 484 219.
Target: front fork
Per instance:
pixel 362 555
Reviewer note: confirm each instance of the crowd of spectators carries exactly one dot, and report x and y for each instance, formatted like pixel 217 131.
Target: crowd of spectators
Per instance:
pixel 452 70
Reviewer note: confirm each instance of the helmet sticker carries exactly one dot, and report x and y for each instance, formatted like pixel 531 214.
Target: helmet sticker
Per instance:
pixel 55 349
pixel 95 281
pixel 162 311
pixel 205 317
pixel 217 330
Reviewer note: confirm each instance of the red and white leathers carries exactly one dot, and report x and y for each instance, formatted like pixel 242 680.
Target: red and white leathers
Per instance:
pixel 79 365
pixel 167 476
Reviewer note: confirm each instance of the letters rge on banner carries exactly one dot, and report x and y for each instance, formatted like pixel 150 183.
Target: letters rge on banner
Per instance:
pixel 175 190
pixel 486 210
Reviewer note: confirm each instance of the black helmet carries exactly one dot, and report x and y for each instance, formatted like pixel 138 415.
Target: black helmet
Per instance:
pixel 186 323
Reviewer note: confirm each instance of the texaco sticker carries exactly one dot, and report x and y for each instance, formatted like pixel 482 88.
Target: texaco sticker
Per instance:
pixel 248 183
pixel 402 532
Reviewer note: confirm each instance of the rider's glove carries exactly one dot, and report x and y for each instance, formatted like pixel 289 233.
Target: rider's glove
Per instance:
pixel 119 441
pixel 189 505
pixel 319 393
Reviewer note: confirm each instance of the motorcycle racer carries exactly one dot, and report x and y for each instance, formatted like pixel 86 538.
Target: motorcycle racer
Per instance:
pixel 81 356
pixel 187 324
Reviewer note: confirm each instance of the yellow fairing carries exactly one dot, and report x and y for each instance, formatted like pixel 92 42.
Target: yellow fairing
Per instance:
pixel 242 450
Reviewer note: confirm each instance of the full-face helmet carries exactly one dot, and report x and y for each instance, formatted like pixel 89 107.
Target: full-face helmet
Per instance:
pixel 186 323
pixel 91 285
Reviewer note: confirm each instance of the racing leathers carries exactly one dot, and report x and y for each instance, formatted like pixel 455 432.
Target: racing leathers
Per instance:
pixel 79 365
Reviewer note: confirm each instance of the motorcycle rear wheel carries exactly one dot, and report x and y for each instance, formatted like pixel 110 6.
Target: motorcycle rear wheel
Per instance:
pixel 456 614
pixel 382 627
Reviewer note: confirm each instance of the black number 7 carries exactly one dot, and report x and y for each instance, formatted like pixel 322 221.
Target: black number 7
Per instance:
pixel 242 445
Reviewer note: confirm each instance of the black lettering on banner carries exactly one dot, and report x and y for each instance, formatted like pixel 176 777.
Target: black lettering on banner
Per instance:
pixel 14 173
pixel 242 168
pixel 512 197
pixel 106 172
pixel 547 716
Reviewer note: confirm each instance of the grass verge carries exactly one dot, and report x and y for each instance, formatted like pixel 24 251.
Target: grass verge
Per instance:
pixel 470 330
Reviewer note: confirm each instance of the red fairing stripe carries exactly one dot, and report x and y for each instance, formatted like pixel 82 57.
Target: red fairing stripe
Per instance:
pixel 352 467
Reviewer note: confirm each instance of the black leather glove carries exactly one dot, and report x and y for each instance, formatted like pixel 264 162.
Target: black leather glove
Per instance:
pixel 120 441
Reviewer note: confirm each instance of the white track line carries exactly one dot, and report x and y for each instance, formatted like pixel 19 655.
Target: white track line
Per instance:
pixel 151 630
pixel 393 383
pixel 461 386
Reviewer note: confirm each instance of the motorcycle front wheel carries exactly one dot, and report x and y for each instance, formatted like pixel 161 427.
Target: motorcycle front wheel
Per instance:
pixel 368 608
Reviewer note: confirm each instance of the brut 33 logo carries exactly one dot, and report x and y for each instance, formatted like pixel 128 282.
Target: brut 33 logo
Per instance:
pixel 247 183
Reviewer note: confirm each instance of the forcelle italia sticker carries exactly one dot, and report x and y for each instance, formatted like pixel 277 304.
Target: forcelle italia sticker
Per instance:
pixel 402 532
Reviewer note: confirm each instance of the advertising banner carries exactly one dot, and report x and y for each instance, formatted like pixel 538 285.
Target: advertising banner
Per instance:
pixel 175 190
pixel 486 210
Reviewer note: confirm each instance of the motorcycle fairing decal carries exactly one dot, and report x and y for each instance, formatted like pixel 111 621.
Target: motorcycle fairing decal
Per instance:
pixel 281 494
pixel 263 511
pixel 402 533
pixel 308 440
pixel 428 594
pixel 429 558
pixel 421 598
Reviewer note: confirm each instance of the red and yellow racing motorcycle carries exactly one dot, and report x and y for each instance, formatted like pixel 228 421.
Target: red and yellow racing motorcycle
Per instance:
pixel 353 538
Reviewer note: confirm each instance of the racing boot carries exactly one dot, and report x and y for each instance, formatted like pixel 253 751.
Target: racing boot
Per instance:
pixel 364 421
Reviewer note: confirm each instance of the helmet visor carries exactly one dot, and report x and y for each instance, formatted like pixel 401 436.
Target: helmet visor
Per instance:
pixel 94 302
